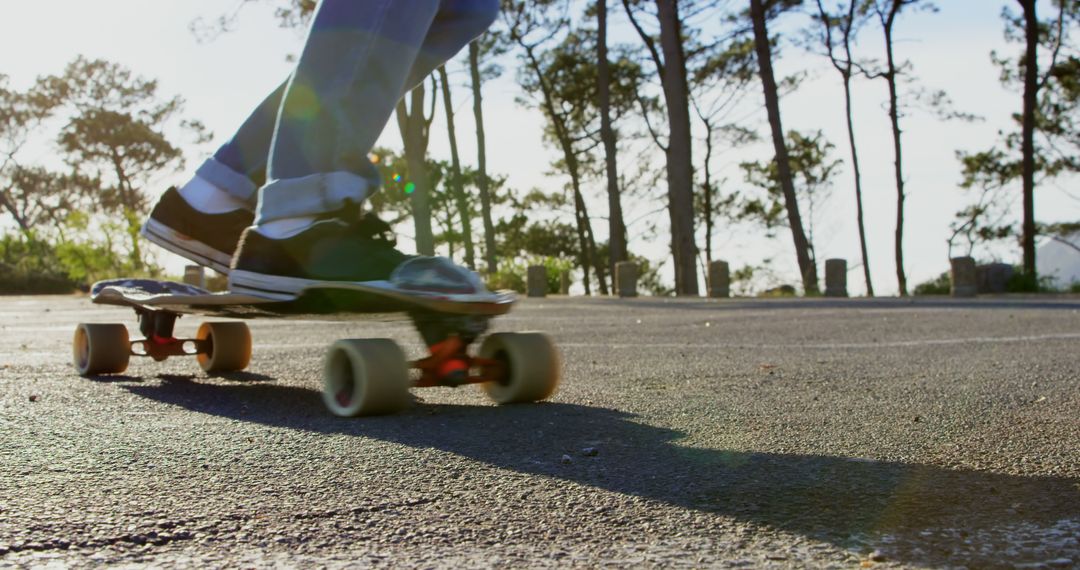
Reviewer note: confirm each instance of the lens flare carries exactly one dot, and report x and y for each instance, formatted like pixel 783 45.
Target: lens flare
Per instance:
pixel 303 103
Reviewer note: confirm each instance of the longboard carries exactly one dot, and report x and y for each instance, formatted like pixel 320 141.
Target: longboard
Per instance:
pixel 361 376
pixel 336 300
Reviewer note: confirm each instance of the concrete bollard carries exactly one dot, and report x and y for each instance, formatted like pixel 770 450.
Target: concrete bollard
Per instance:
pixel 719 280
pixel 536 283
pixel 836 278
pixel 195 275
pixel 964 277
pixel 564 283
pixel 993 278
pixel 626 278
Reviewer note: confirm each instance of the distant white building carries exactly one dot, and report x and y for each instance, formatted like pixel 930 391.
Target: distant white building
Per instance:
pixel 1060 261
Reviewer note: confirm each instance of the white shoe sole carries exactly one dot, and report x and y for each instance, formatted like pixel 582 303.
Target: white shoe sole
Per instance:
pixel 169 239
pixel 269 286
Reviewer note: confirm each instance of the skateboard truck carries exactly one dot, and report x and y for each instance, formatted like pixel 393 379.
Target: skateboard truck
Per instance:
pixel 451 366
pixel 159 343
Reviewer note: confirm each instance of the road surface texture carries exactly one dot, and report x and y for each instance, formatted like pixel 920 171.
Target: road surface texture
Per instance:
pixel 687 433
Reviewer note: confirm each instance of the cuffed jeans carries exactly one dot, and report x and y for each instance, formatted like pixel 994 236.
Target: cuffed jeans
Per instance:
pixel 307 144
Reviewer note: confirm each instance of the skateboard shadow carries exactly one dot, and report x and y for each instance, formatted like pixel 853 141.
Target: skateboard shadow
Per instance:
pixel 114 379
pixel 843 501
pixel 245 377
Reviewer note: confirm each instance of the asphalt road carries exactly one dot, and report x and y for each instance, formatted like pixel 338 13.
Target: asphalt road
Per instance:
pixel 686 433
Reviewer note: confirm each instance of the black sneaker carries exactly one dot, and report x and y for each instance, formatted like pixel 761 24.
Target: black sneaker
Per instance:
pixel 361 250
pixel 206 239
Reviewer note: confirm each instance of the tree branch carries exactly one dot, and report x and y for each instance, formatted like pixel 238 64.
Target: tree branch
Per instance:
pixel 649 43
pixel 648 123
pixel 1060 239
pixel 1057 47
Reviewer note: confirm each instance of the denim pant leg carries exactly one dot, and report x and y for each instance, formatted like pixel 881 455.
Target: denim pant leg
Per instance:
pixel 358 60
pixel 457 23
pixel 239 166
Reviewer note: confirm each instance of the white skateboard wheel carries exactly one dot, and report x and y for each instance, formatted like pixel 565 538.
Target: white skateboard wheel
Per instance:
pixel 366 377
pixel 100 349
pixel 226 347
pixel 530 367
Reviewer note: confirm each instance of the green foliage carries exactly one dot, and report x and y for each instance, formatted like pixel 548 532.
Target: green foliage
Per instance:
pixel 1021 282
pixel 512 275
pixel 33 264
pixel 995 172
pixel 29 265
pixel 941 285
pixel 554 268
pixel 781 291
pixel 813 171
pixel 523 235
pixel 115 136
pixel 649 279
pixel 117 129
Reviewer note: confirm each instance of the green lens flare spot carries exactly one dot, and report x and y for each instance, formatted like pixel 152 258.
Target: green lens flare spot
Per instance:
pixel 410 188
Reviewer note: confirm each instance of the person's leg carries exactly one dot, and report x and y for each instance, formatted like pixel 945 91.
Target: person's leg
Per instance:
pixel 203 219
pixel 357 63
pixel 457 23
pixel 239 166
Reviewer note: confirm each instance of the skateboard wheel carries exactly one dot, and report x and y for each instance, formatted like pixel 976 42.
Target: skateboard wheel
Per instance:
pixel 529 369
pixel 227 347
pixel 366 378
pixel 101 349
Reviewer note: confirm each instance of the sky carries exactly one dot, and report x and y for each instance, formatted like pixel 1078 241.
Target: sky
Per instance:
pixel 223 79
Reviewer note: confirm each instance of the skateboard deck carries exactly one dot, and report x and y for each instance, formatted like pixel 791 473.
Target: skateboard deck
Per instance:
pixel 329 300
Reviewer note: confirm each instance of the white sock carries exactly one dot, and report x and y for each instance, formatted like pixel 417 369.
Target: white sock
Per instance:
pixel 285 228
pixel 209 199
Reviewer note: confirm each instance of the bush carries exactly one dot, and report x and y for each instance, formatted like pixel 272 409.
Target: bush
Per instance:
pixel 942 285
pixel 510 276
pixel 30 266
pixel 1024 283
pixel 513 275
pixel 781 291
pixel 14 281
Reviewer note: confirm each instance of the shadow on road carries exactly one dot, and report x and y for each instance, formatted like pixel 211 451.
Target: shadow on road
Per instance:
pixel 835 499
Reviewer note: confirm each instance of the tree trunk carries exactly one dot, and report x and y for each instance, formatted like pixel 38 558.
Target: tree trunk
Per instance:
pixel 455 173
pixel 588 252
pixel 14 211
pixel 580 220
pixel 617 227
pixel 414 134
pixel 1031 92
pixel 783 164
pixel 680 167
pixel 858 186
pixel 894 117
pixel 708 189
pixel 481 149
pixel 846 71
